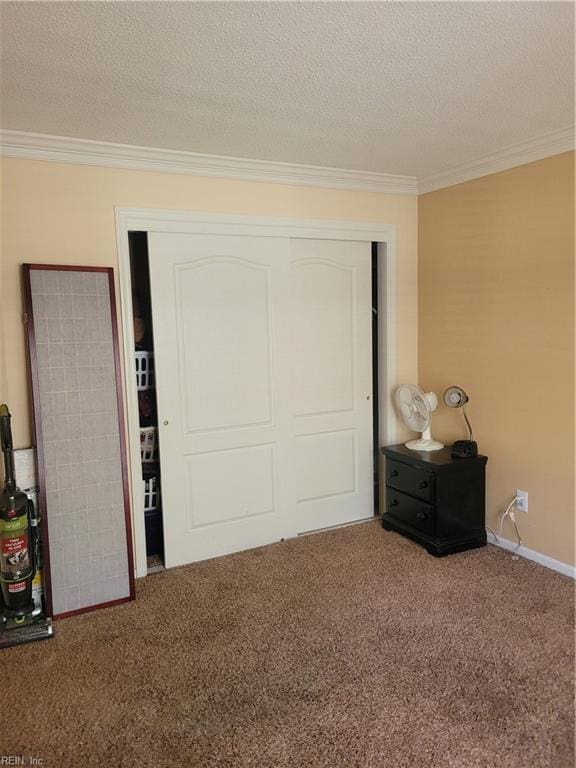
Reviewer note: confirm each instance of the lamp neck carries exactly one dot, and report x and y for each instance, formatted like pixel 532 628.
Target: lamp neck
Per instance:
pixel 467 422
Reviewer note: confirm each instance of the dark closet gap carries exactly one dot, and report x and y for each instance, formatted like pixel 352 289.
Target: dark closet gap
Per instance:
pixel 375 357
pixel 147 406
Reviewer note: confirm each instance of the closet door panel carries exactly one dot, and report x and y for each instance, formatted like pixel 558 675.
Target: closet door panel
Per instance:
pixel 219 307
pixel 331 375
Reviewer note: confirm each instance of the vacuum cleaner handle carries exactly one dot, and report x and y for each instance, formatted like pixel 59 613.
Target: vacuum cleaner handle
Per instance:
pixel 5 431
pixel 6 441
pixel 34 537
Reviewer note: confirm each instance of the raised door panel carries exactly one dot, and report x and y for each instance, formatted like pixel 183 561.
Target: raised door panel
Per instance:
pixel 224 330
pixel 326 465
pixel 249 489
pixel 323 305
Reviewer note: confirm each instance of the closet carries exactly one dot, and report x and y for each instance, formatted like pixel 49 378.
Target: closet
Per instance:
pixel 255 364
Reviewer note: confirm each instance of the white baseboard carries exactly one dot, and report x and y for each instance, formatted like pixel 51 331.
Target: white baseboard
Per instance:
pixel 531 554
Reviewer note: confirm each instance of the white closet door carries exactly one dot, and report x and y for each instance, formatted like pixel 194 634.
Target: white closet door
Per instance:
pixel 331 385
pixel 219 306
pixel 263 377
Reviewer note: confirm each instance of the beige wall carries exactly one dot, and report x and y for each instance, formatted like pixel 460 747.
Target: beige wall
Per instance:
pixel 60 213
pixel 496 298
pixel 496 316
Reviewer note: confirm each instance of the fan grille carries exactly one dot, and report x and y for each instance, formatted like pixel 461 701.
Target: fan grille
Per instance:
pixel 412 407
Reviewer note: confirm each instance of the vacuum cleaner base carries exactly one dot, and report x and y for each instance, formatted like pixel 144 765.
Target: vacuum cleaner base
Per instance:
pixel 38 628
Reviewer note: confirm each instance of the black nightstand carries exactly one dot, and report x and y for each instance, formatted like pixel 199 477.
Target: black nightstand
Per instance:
pixel 435 500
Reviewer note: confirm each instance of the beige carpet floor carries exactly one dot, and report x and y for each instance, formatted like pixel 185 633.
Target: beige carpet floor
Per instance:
pixel 348 648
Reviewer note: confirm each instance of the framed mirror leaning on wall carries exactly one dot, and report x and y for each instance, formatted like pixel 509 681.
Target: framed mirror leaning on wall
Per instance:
pixel 74 361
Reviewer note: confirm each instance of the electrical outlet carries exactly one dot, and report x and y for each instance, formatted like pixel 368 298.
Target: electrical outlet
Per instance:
pixel 522 501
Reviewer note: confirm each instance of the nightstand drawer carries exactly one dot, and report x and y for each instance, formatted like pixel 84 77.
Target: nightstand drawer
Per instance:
pixel 410 511
pixel 412 480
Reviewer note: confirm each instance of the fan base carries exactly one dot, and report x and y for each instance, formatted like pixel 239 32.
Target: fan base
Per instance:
pixel 426 444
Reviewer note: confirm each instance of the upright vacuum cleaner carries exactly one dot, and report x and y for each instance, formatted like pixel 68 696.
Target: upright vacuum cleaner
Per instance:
pixel 20 555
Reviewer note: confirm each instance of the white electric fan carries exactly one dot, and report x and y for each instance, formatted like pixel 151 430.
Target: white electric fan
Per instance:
pixel 415 408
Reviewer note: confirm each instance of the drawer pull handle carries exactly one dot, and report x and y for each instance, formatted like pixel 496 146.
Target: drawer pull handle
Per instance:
pixel 394 473
pixel 421 515
pixel 423 484
pixel 394 502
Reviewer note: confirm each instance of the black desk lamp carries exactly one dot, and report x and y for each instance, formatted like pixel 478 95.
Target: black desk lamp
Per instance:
pixel 455 397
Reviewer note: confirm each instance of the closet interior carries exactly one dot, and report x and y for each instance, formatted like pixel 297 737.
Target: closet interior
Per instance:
pixel 147 408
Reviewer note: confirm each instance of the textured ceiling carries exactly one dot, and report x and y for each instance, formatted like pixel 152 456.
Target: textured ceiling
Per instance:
pixel 406 88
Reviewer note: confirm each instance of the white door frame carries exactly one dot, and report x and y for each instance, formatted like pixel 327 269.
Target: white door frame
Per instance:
pixel 150 220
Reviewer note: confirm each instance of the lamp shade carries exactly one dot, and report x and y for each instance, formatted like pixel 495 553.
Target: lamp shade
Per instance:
pixel 455 397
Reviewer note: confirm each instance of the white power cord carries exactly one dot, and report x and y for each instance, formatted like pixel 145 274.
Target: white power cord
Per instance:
pixel 511 515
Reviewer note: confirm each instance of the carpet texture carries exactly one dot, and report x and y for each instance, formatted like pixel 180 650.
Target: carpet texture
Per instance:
pixel 347 648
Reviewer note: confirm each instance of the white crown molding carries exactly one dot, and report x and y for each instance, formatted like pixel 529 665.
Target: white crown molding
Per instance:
pixel 61 149
pixel 531 554
pixel 554 143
